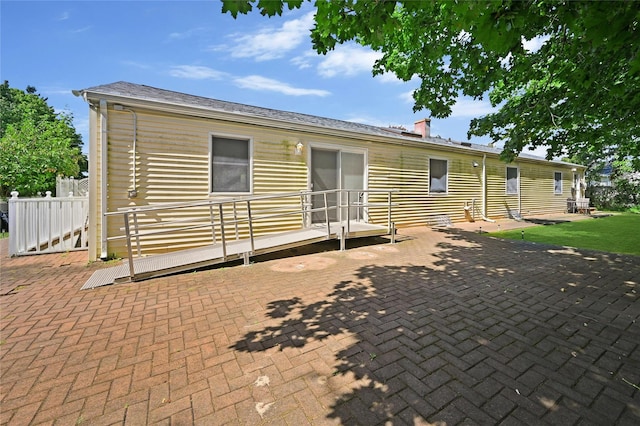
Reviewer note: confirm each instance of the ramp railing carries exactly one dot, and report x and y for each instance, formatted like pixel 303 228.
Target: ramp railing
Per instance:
pixel 243 218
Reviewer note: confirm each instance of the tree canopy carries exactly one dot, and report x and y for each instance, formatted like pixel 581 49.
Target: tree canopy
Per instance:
pixel 561 74
pixel 36 143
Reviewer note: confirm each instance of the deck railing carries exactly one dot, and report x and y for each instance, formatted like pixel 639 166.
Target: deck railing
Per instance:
pixel 238 217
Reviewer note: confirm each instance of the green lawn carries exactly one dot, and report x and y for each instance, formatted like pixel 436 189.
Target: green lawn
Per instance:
pixel 619 233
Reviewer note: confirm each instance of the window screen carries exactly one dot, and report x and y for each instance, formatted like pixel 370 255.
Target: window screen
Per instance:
pixel 437 176
pixel 230 171
pixel 512 180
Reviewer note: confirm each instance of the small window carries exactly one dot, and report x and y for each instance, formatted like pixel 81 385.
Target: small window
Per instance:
pixel 512 180
pixel 230 165
pixel 437 176
pixel 557 182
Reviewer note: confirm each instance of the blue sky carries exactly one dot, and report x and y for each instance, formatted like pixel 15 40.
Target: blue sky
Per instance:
pixel 191 47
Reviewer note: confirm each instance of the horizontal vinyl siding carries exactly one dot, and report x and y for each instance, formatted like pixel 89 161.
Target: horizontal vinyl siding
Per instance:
pixel 499 203
pixel 407 169
pixel 402 169
pixel 536 189
pixel 173 166
pixel 538 195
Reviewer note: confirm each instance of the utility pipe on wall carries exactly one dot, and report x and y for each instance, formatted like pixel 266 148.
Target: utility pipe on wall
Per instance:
pixel 134 191
pixel 519 194
pixel 104 146
pixel 484 190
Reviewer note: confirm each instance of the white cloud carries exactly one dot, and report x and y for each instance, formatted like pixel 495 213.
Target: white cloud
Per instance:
pixel 51 91
pixel 348 60
pixel 81 30
pixel 256 82
pixel 304 61
pixel 534 44
pixel 471 108
pixel 407 97
pixel 388 77
pixel 267 44
pixel 64 16
pixel 185 34
pixel 195 72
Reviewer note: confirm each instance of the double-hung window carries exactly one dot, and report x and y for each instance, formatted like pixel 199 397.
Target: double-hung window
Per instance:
pixel 230 165
pixel 557 182
pixel 512 180
pixel 437 176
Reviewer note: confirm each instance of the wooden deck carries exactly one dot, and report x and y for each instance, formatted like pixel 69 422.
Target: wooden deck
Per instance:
pixel 195 258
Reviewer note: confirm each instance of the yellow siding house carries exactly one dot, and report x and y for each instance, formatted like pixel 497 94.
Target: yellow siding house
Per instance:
pixel 151 146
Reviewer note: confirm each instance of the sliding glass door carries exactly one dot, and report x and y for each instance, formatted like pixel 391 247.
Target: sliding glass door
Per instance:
pixel 337 169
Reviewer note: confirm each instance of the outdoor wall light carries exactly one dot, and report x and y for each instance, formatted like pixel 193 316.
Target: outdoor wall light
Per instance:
pixel 475 164
pixel 299 147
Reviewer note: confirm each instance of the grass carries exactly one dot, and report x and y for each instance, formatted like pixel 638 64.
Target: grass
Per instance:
pixel 619 233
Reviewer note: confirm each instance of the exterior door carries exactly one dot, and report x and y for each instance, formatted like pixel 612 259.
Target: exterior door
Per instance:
pixel 324 176
pixel 352 177
pixel 335 169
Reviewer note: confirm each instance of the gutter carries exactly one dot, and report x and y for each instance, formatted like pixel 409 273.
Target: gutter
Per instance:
pixel 283 124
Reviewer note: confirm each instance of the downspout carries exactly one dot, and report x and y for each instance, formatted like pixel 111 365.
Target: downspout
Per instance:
pixel 519 193
pixel 133 193
pixel 484 190
pixel 104 146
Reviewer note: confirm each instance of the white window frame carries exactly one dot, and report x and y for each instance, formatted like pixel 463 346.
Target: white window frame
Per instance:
pixel 446 184
pixel 245 138
pixel 506 180
pixel 555 190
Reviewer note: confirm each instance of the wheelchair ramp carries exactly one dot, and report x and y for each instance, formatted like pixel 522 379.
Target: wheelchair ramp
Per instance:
pixel 195 258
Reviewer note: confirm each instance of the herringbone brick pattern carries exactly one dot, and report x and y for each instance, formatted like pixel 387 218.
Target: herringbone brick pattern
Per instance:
pixel 445 327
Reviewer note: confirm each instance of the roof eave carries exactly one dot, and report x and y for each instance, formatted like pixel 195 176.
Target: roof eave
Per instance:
pixel 233 116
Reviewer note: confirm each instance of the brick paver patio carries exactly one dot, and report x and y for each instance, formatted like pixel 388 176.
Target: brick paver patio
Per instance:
pixel 446 327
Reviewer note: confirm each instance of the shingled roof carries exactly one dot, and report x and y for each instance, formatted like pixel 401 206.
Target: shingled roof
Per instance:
pixel 147 93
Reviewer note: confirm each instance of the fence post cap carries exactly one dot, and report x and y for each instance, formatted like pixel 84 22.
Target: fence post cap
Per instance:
pixel 47 194
pixel 14 194
pixel 70 194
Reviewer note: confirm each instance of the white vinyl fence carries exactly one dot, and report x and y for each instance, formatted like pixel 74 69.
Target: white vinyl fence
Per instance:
pixel 47 225
pixel 69 185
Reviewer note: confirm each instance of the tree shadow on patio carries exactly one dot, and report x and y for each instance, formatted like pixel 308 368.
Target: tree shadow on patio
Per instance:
pixel 473 336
